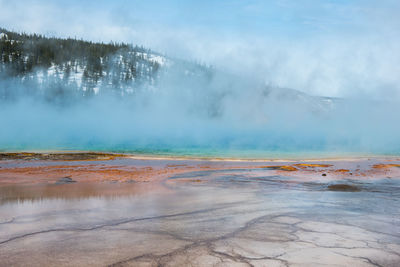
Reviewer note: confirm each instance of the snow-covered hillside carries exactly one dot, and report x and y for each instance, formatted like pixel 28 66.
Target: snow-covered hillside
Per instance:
pixel 58 68
pixel 79 65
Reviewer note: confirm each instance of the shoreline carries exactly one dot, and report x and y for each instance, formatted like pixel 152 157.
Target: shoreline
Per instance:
pixel 19 168
pixel 98 155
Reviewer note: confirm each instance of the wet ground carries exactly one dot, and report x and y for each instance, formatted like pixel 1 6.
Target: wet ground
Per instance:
pixel 200 213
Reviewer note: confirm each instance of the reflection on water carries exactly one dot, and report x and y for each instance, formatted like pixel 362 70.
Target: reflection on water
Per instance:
pixel 202 218
pixel 41 192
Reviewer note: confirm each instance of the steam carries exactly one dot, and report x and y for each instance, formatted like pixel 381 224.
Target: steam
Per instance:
pixel 334 48
pixel 223 114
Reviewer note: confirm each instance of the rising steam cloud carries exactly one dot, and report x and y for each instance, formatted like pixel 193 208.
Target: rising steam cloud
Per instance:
pixel 221 115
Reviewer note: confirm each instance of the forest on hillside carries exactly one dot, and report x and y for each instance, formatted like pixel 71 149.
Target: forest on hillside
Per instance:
pixel 56 68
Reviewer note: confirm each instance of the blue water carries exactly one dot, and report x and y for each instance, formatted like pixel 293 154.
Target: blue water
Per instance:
pixel 203 152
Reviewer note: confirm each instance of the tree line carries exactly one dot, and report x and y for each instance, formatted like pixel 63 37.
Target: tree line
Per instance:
pixel 84 64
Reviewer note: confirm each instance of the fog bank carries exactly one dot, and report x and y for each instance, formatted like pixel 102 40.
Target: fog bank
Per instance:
pixel 222 113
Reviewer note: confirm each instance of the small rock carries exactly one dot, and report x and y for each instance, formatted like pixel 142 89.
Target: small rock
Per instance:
pixel 343 188
pixel 324 174
pixel 65 180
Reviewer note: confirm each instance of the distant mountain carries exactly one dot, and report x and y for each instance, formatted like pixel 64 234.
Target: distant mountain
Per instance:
pixel 294 97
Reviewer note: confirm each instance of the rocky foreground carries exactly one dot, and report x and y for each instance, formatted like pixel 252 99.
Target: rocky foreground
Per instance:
pixel 108 209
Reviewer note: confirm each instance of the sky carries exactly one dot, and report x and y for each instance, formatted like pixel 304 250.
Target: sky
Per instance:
pixel 341 48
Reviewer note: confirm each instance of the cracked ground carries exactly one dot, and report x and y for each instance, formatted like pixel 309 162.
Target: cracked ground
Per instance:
pixel 225 217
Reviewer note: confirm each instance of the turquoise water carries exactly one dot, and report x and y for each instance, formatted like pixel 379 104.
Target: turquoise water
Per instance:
pixel 204 152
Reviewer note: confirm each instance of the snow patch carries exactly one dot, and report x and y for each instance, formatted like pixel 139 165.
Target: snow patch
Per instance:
pixel 158 59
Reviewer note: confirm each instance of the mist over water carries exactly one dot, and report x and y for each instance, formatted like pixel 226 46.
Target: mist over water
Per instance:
pixel 223 115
